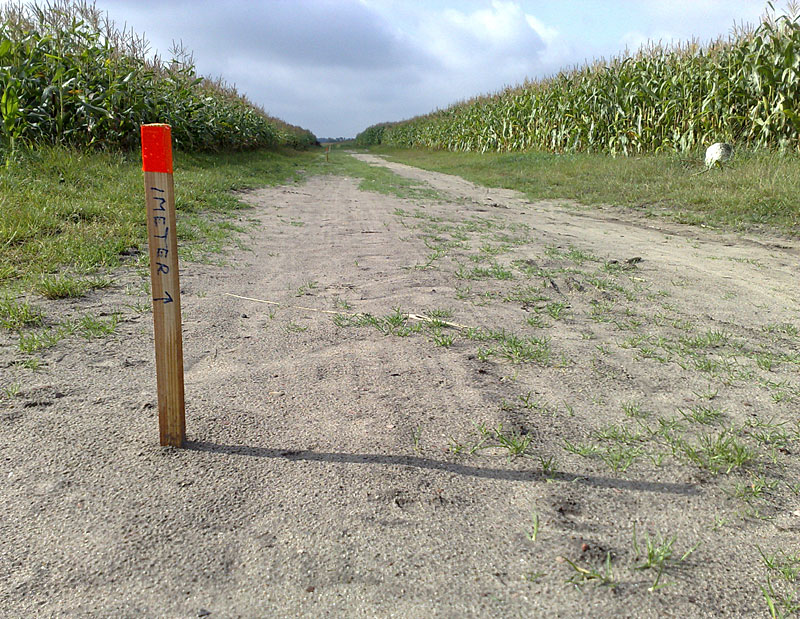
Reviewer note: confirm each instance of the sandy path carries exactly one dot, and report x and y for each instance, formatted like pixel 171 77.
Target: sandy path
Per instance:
pixel 320 479
pixel 686 250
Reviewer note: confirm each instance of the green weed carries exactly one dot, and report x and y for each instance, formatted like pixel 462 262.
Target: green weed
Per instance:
pixel 525 350
pixel 445 340
pixel 536 321
pixel 32 363
pixel 12 390
pixel 495 271
pixel 701 414
pixel 657 554
pixel 15 314
pixel 462 292
pixel 581 449
pixel 619 458
pixel 717 453
pixel 755 489
pixel 37 340
pixel 306 289
pixel 583 575
pixel 549 465
pixel 61 287
pixel 633 409
pixel 535 523
pixel 556 309
pixel 442 314
pixel 416 435
pixel 783 597
pixel 515 443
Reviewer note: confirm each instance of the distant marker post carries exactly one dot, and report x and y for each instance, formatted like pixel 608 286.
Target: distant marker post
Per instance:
pixel 165 285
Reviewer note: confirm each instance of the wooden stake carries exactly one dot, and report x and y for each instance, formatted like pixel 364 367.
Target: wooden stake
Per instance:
pixel 161 234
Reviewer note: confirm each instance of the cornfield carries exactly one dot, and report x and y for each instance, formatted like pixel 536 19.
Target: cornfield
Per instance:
pixel 744 90
pixel 69 76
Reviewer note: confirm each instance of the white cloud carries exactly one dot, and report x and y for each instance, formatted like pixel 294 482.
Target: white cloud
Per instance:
pixel 701 19
pixel 547 34
pixel 677 21
pixel 498 34
pixel 697 11
pixel 473 47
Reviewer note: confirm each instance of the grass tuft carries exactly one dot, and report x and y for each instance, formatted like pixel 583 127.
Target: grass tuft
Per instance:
pixel 16 314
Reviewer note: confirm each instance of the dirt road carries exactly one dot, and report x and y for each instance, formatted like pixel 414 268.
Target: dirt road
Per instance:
pixel 460 405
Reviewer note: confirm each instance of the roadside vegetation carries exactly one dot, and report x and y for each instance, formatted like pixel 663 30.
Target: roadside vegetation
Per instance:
pixel 74 90
pixel 70 77
pixel 743 90
pixel 655 112
pixel 758 189
pixel 68 219
pixel 66 213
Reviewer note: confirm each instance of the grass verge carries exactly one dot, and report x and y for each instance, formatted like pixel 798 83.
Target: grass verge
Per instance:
pixel 756 189
pixel 379 179
pixel 69 212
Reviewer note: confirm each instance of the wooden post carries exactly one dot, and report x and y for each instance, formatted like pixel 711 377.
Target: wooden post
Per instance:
pixel 161 234
pixel 327 150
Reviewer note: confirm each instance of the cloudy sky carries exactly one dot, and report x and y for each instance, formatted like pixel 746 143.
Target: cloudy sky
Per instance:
pixel 338 66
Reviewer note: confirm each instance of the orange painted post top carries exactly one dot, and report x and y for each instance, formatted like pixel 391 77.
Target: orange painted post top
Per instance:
pixel 157 148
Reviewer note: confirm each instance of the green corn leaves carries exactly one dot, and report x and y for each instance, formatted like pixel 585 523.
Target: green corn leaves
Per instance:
pixel 745 90
pixel 9 108
pixel 67 76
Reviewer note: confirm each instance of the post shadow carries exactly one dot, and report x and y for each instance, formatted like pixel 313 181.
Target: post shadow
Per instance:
pixel 439 465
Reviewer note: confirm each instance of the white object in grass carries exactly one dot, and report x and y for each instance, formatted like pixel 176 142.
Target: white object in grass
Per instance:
pixel 718 153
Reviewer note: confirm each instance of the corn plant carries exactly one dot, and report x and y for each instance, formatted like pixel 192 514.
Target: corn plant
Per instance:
pixel 69 76
pixel 744 89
